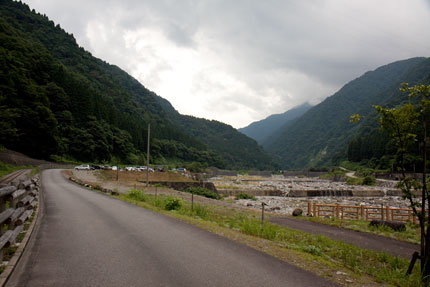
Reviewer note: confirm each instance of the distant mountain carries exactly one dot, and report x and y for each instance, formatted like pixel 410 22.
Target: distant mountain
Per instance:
pixel 324 130
pixel 262 130
pixel 58 101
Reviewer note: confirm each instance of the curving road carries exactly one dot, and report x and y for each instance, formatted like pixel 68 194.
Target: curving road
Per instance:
pixel 86 238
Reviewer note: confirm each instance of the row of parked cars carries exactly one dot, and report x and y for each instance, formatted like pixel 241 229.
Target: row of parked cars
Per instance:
pixel 128 168
pixel 107 167
pixel 138 168
pixel 94 167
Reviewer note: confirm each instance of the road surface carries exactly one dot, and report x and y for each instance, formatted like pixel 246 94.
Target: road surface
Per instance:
pixel 85 238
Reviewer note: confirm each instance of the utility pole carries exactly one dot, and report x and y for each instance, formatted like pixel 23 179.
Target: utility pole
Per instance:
pixel 147 157
pixel 117 169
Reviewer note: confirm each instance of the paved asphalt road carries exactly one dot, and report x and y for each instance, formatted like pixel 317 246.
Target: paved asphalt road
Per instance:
pixel 360 239
pixel 86 238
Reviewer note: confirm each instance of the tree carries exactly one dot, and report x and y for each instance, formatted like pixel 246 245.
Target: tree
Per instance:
pixel 407 125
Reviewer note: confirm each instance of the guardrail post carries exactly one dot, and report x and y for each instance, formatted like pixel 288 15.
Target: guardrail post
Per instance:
pixel 309 208
pixel 362 211
pixel 337 210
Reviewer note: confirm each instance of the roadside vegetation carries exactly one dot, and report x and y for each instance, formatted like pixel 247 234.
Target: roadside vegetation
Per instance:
pixel 203 192
pixel 9 168
pixel 243 195
pixel 411 234
pixel 335 255
pixel 362 175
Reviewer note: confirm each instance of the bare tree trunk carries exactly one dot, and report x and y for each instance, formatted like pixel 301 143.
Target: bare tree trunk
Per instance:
pixel 425 234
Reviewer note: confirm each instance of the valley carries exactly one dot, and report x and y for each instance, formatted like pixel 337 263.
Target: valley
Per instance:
pixel 327 186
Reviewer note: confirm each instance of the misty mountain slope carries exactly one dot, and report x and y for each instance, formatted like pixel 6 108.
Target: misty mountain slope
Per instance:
pixel 325 129
pixel 71 104
pixel 262 130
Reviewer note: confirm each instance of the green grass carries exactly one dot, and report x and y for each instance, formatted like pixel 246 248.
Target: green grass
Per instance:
pixel 349 165
pixel 203 192
pixel 245 196
pixel 354 181
pixel 411 234
pixel 336 172
pixel 20 237
pixel 34 171
pixel 9 168
pixel 383 267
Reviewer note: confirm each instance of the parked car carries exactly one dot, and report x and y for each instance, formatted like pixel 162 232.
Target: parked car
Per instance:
pixel 83 167
pixel 130 168
pixel 143 168
pixel 114 167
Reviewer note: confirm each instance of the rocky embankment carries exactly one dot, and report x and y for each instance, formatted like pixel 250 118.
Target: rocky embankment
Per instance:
pixel 286 205
pixel 295 192
pixel 300 187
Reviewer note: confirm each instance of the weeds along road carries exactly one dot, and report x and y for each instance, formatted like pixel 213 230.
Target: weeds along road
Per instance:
pixel 85 238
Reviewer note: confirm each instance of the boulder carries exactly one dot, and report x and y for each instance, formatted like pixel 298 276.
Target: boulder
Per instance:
pixel 297 212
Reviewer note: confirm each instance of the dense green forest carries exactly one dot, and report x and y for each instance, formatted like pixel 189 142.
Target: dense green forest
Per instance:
pixel 58 101
pixel 321 136
pixel 374 148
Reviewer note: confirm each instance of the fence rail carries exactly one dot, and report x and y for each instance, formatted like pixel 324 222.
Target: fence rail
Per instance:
pixel 362 212
pixel 17 202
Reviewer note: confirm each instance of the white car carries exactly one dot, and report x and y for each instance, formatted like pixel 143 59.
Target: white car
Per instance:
pixel 144 168
pixel 83 167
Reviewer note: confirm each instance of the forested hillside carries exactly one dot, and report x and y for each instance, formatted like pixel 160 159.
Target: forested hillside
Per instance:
pixel 372 146
pixel 263 131
pixel 57 100
pixel 325 130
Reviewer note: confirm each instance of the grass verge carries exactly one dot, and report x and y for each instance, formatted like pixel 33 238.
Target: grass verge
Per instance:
pixel 9 168
pixel 411 234
pixel 308 250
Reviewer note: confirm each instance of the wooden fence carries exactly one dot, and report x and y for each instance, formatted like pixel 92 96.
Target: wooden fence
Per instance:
pixel 17 202
pixel 362 212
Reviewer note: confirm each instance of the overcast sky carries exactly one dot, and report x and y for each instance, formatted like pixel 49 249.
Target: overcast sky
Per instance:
pixel 243 60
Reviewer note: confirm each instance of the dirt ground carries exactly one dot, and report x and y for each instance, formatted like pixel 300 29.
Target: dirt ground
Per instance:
pixel 135 180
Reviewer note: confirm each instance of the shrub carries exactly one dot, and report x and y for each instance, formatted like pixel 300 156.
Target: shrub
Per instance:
pixel 369 180
pixel 354 181
pixel 244 196
pixel 203 192
pixel 137 195
pixel 173 203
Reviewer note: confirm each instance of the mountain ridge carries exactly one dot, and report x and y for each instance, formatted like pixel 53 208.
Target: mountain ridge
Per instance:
pixel 325 129
pixel 262 130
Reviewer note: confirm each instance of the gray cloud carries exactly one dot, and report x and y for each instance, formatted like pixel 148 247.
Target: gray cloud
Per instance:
pixel 240 61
